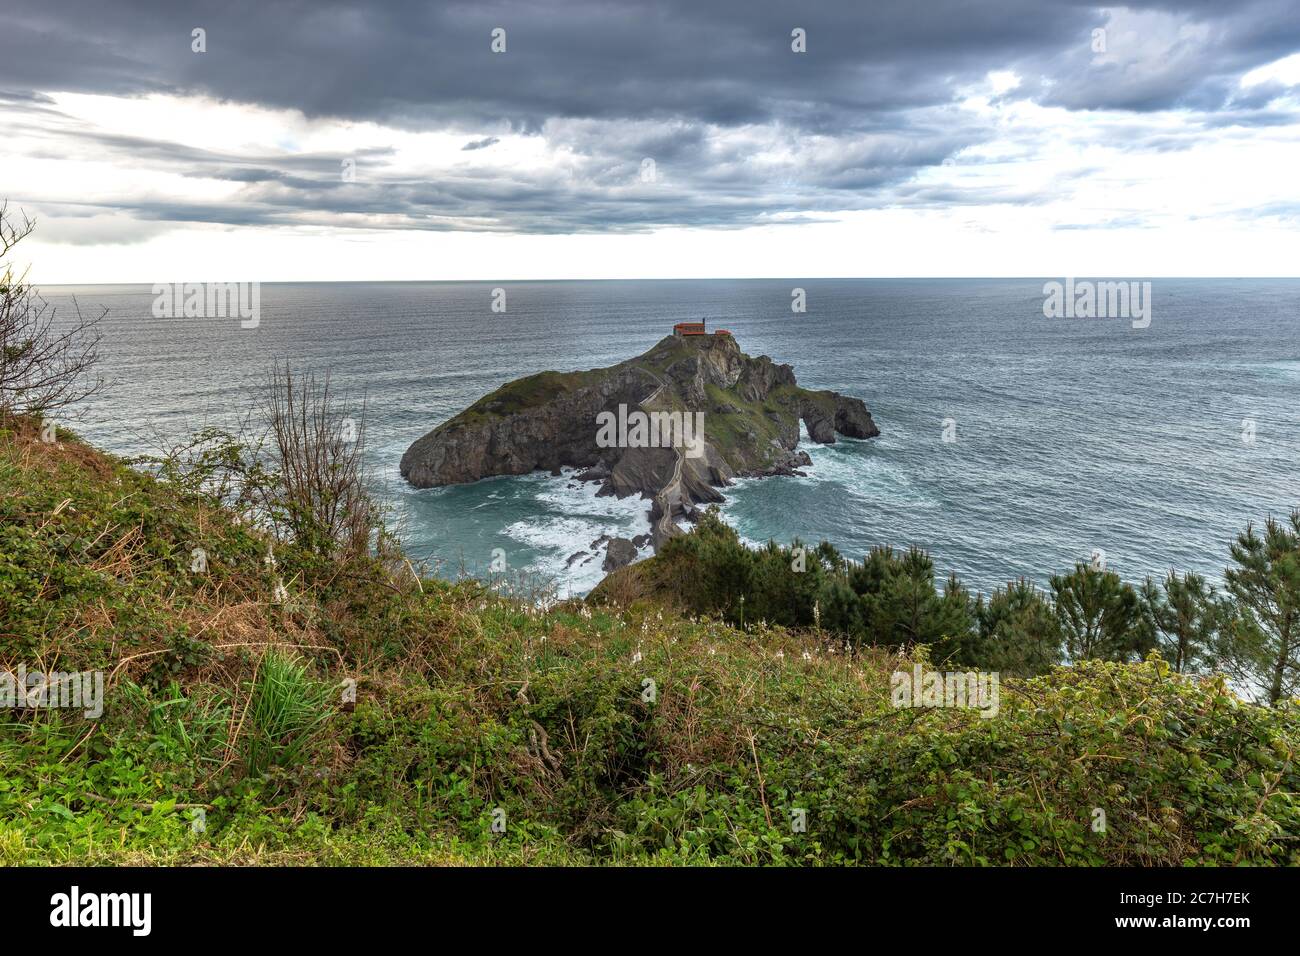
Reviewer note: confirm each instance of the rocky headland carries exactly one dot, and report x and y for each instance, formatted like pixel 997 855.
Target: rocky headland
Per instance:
pixel 749 409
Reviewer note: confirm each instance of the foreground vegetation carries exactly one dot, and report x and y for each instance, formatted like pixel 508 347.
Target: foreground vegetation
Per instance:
pixel 586 734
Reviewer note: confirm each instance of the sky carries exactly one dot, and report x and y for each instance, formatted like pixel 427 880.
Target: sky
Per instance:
pixel 276 141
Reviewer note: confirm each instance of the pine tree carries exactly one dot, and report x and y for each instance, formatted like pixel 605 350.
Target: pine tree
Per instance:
pixel 1184 615
pixel 1264 635
pixel 1100 616
pixel 1018 631
pixel 901 606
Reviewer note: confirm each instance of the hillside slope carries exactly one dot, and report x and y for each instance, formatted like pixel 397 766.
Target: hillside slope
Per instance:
pixel 483 730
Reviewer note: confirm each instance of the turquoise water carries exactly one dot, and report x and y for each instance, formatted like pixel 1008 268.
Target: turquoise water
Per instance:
pixel 1071 434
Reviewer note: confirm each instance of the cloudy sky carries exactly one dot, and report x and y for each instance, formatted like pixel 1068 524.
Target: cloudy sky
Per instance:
pixel 336 140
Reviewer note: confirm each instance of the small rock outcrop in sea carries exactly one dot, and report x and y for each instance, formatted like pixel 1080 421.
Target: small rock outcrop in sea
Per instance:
pixel 619 552
pixel 636 428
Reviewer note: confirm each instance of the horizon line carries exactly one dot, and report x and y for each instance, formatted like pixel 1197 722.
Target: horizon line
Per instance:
pixel 903 278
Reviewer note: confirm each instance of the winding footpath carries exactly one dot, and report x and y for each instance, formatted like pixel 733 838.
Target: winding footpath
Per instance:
pixel 665 526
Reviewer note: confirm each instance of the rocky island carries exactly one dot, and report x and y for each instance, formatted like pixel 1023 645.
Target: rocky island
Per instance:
pixel 674 425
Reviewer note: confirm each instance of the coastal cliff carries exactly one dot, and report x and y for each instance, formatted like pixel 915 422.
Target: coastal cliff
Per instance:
pixel 673 425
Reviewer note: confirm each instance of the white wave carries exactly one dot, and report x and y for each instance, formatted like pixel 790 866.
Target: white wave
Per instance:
pixel 865 472
pixel 582 519
pixel 569 494
pixel 733 522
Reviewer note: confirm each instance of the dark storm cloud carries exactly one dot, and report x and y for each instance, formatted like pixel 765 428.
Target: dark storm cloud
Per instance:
pixel 613 83
pixel 419 63
pixel 722 62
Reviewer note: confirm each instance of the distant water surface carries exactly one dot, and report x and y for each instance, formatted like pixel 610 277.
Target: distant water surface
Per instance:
pixel 1071 434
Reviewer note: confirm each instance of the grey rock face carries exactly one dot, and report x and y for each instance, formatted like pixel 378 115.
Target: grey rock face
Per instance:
pixel 618 553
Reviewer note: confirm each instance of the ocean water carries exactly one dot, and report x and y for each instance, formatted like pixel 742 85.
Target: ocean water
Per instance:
pixel 1071 435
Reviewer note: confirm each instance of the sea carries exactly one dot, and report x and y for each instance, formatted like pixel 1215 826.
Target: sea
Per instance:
pixel 1011 444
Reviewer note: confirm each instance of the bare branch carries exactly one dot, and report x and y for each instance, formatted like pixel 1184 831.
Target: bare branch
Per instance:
pixel 45 362
pixel 317 447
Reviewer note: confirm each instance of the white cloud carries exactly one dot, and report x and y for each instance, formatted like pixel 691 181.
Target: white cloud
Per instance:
pixel 1285 71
